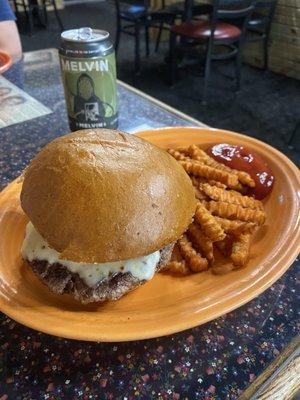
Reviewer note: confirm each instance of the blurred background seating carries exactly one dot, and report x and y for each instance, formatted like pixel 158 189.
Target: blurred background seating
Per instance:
pixel 266 104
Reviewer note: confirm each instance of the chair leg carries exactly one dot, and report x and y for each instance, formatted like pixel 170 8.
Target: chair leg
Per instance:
pixel 207 74
pixel 172 59
pixel 26 11
pixel 45 13
pixel 159 36
pixel 266 52
pixel 137 60
pixel 30 19
pixel 238 67
pixel 147 39
pixel 294 133
pixel 61 26
pixel 118 35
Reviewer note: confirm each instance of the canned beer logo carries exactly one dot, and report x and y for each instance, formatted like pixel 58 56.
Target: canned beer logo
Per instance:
pixel 90 91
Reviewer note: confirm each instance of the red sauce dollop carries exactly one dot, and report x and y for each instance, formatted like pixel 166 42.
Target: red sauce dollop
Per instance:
pixel 243 159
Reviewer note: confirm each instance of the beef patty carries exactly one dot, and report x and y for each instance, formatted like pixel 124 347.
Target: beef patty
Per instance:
pixel 60 280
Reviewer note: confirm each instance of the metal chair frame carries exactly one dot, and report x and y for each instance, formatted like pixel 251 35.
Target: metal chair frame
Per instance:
pixel 145 19
pixel 31 6
pixel 233 44
pixel 263 33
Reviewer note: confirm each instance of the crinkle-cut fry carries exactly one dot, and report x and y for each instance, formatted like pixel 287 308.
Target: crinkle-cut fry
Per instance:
pixel 183 150
pixel 234 211
pixel 217 184
pixel 177 267
pixel 235 226
pixel 179 156
pixel 204 171
pixel 201 241
pixel 243 176
pixel 196 181
pixel 194 260
pixel 224 246
pixel 208 223
pixel 199 194
pixel 230 196
pixel 240 250
pixel 198 154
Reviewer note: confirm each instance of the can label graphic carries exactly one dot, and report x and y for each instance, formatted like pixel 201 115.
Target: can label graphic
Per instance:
pixel 90 88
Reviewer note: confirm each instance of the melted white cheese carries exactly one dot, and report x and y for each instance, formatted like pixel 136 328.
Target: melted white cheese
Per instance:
pixel 35 247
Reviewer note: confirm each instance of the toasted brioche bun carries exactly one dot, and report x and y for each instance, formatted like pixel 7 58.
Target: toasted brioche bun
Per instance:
pixel 100 195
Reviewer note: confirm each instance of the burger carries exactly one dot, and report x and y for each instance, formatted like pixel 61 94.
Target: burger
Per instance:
pixel 105 209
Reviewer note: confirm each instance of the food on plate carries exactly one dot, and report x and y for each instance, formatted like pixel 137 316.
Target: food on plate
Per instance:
pixel 225 218
pixel 195 261
pixel 105 210
pixel 251 163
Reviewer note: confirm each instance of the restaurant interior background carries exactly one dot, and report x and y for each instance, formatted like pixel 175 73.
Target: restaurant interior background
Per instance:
pixel 267 104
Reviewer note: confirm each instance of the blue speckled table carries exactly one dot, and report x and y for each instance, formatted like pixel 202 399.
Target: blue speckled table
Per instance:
pixel 218 360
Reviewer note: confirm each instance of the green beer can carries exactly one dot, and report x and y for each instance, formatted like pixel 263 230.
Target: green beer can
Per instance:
pixel 88 67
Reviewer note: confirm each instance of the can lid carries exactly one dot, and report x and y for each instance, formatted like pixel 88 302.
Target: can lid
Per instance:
pixel 84 35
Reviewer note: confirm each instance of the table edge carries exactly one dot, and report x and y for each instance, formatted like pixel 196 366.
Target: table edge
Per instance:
pixel 274 378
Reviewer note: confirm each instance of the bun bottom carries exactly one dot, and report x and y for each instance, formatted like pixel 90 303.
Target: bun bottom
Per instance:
pixel 60 280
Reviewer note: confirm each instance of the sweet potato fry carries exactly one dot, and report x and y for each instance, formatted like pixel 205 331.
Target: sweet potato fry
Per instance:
pixel 198 154
pixel 235 226
pixel 198 181
pixel 217 184
pixel 199 194
pixel 201 241
pixel 204 171
pixel 184 150
pixel 243 177
pixel 194 260
pixel 234 211
pixel 179 156
pixel 230 196
pixel 240 250
pixel 209 225
pixel 177 267
pixel 224 246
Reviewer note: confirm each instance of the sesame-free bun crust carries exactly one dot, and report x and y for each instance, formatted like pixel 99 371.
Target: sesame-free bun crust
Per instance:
pixel 100 195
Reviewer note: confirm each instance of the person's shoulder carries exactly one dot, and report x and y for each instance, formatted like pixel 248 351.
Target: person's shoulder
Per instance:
pixel 6 12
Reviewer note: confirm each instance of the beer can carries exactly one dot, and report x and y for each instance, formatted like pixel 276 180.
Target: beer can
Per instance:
pixel 88 67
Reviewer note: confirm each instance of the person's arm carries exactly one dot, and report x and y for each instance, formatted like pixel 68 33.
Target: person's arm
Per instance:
pixel 9 36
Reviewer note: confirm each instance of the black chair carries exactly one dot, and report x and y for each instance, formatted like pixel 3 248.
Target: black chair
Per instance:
pixel 34 8
pixel 259 25
pixel 214 32
pixel 294 139
pixel 179 10
pixel 139 16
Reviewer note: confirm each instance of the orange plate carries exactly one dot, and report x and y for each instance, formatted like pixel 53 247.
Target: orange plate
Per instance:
pixel 167 304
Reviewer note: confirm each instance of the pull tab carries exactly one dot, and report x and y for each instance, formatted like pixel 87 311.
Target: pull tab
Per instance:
pixel 85 33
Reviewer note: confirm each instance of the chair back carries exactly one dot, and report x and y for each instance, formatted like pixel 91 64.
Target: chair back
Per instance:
pixel 267 9
pixel 234 12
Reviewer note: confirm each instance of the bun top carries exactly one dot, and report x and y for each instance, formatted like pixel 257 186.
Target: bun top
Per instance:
pixel 100 195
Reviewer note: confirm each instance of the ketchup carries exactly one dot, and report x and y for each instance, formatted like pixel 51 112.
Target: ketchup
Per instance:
pixel 243 159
